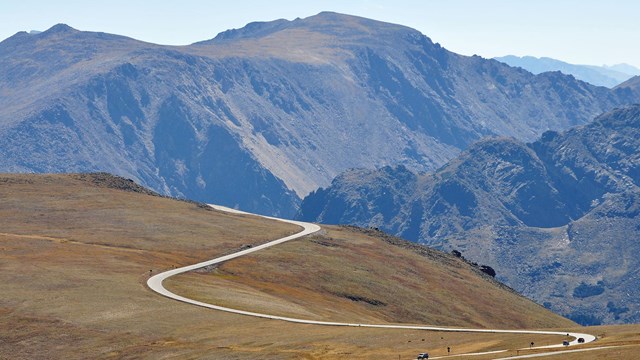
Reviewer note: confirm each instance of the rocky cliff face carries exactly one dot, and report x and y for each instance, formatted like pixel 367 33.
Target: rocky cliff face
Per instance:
pixel 258 117
pixel 558 218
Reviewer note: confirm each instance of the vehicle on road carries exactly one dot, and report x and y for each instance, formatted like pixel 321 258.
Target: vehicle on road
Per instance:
pixel 423 356
pixel 565 343
pixel 581 340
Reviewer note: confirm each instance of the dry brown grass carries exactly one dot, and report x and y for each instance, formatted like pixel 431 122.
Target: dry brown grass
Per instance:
pixel 347 275
pixel 67 208
pixel 74 258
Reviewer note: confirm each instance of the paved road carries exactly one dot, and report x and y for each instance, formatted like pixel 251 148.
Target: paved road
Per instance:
pixel 155 284
pixel 555 353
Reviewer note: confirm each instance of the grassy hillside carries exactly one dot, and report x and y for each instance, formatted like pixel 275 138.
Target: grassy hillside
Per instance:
pixel 351 274
pixel 76 250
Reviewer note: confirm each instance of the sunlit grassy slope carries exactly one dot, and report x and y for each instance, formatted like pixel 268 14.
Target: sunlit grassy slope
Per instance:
pixel 76 250
pixel 351 274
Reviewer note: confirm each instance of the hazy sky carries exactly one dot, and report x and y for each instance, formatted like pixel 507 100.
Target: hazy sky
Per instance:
pixel 577 31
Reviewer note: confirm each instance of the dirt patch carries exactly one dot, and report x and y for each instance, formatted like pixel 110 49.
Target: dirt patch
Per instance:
pixel 323 242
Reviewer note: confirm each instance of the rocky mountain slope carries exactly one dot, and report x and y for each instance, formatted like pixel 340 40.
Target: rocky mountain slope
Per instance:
pixel 258 117
pixel 609 76
pixel 631 87
pixel 558 219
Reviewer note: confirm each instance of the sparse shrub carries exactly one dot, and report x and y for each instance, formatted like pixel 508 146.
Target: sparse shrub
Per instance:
pixel 584 319
pixel 585 290
pixel 615 310
pixel 488 270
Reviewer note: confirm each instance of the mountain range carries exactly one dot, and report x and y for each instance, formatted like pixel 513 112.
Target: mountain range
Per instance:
pixel 258 117
pixel 609 76
pixel 558 218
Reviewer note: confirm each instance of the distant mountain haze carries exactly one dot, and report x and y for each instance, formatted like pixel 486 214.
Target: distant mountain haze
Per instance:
pixel 558 219
pixel 624 68
pixel 258 117
pixel 608 76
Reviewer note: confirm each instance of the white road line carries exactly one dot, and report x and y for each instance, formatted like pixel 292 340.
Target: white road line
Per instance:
pixel 155 284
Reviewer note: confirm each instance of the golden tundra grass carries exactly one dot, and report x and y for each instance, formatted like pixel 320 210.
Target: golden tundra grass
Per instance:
pixel 357 271
pixel 75 255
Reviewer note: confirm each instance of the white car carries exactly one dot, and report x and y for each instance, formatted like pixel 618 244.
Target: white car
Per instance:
pixel 423 356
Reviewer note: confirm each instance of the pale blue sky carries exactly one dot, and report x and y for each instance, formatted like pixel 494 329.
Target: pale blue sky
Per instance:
pixel 577 31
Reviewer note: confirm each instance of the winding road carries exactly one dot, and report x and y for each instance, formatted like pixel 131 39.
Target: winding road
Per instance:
pixel 155 284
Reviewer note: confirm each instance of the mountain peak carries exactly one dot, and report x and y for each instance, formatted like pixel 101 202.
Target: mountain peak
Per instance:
pixel 251 30
pixel 60 29
pixel 325 23
pixel 624 68
pixel 22 37
pixel 335 16
pixel 344 24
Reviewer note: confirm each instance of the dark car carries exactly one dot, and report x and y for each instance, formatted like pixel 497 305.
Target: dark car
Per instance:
pixel 565 343
pixel 581 340
pixel 423 356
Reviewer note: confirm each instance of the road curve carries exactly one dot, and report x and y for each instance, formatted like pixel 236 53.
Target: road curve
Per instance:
pixel 155 284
